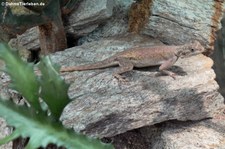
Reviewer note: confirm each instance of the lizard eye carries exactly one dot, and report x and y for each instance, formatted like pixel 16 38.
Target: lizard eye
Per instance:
pixel 192 50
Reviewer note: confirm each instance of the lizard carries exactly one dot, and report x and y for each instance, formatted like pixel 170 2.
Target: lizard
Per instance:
pixel 163 56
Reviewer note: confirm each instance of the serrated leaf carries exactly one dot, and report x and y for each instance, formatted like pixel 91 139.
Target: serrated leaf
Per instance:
pixel 54 90
pixel 22 76
pixel 43 131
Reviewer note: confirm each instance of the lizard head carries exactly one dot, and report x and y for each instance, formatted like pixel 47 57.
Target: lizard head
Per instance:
pixel 192 48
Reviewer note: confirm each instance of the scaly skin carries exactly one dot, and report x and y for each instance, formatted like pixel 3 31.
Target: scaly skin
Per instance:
pixel 165 56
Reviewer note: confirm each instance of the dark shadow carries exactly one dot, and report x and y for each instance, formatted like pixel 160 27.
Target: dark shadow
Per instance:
pixel 34 56
pixel 175 69
pixel 72 41
pixel 219 58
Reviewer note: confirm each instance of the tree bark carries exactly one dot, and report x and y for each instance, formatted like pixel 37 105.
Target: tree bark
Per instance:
pixel 52 37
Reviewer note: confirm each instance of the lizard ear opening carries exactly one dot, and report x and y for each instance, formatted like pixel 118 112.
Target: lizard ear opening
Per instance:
pixel 181 54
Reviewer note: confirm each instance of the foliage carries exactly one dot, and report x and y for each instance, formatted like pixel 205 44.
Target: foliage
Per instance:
pixel 41 127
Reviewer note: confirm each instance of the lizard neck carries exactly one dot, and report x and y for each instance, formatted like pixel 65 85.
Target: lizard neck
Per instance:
pixel 181 51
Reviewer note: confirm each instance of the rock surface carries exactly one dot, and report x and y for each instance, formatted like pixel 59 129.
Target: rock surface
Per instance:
pixel 117 24
pixel 28 40
pixel 4 131
pixel 207 134
pixel 104 107
pixel 170 21
pixel 175 22
pixel 88 15
pixel 204 134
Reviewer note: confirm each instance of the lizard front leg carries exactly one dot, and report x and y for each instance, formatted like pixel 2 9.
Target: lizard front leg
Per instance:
pixel 124 66
pixel 167 64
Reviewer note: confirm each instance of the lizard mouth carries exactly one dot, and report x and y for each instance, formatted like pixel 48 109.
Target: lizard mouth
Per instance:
pixel 192 54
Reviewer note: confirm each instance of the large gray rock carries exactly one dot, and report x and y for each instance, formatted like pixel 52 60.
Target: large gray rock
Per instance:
pixel 207 134
pixel 204 134
pixel 104 107
pixel 115 25
pixel 179 21
pixel 28 40
pixel 88 15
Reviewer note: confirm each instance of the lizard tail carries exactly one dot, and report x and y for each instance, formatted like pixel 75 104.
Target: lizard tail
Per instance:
pixel 98 65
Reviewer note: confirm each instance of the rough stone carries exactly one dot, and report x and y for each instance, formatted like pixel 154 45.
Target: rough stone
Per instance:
pixel 115 25
pixel 4 131
pixel 28 40
pixel 174 22
pixel 104 107
pixel 89 15
pixel 203 134
pixel 206 134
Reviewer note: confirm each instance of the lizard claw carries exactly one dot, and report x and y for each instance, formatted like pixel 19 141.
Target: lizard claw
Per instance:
pixel 173 75
pixel 120 78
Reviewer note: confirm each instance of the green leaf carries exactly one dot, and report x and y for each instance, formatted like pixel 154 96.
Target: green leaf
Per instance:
pixel 43 131
pixel 22 76
pixel 38 127
pixel 54 90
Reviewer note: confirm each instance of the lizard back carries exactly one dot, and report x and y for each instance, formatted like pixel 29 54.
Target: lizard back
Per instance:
pixel 149 56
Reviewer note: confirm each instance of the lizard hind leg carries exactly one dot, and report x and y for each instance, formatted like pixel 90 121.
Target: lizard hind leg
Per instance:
pixel 124 66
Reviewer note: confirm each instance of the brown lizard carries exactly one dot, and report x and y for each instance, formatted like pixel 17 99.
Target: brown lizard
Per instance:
pixel 162 55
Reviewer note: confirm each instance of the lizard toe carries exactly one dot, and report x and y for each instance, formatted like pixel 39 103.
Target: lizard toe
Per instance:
pixel 120 78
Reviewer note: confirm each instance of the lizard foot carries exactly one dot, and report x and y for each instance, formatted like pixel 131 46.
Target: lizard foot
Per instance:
pixel 120 78
pixel 171 74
